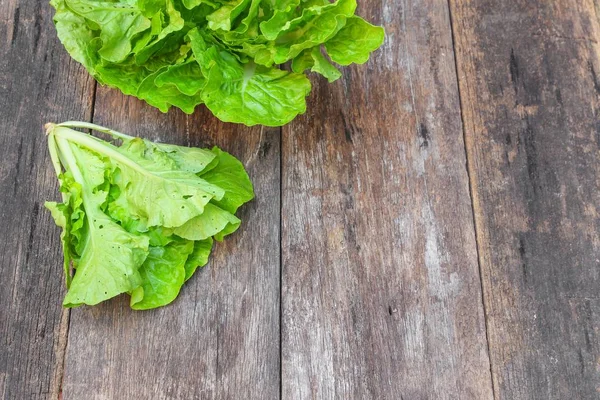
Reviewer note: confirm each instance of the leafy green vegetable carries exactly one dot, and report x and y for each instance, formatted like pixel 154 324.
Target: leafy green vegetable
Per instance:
pixel 354 42
pixel 225 54
pixel 198 258
pixel 314 60
pixel 139 218
pixel 163 274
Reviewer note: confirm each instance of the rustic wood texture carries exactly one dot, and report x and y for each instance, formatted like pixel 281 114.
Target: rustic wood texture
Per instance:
pixel 380 285
pixel 219 339
pixel 531 99
pixel 384 257
pixel 33 75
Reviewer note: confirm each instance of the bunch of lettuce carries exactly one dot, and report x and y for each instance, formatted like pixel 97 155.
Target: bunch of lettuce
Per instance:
pixel 141 217
pixel 226 54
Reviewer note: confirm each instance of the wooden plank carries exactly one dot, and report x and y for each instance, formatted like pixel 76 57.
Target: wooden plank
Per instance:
pixel 34 71
pixel 531 99
pixel 381 292
pixel 219 339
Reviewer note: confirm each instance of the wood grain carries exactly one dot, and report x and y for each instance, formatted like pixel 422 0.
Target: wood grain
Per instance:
pixel 381 292
pixel 379 251
pixel 220 338
pixel 531 99
pixel 34 71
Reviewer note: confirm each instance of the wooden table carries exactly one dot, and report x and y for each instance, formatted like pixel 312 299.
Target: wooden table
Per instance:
pixel 429 229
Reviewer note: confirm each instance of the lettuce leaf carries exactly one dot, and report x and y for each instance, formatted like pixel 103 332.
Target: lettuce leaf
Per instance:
pixel 198 258
pixel 257 94
pixel 314 60
pixel 109 256
pixel 163 274
pixel 225 54
pixel 141 217
pixel 354 42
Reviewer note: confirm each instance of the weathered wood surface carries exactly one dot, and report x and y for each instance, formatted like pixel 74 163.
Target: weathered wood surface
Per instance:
pixel 219 339
pixel 33 90
pixel 531 99
pixel 381 290
pixel 374 288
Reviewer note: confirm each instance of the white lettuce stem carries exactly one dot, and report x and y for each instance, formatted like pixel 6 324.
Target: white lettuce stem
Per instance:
pixel 96 145
pixel 53 149
pixel 88 125
pixel 70 161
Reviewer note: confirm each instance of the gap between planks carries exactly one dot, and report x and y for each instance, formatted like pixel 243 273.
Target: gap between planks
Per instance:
pixel 468 166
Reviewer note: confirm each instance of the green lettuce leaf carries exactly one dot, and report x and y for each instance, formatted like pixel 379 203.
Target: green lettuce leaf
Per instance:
pixel 249 94
pixel 214 221
pixel 159 192
pixel 118 23
pixel 190 159
pixel 314 60
pixel 78 39
pixel 167 94
pixel 224 16
pixel 163 274
pixel 229 174
pixel 198 258
pixel 109 255
pixel 139 218
pixel 225 54
pixel 354 42
pixel 186 77
pixel 315 26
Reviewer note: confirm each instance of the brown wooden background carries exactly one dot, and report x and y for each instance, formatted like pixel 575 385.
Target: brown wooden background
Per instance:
pixel 428 230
